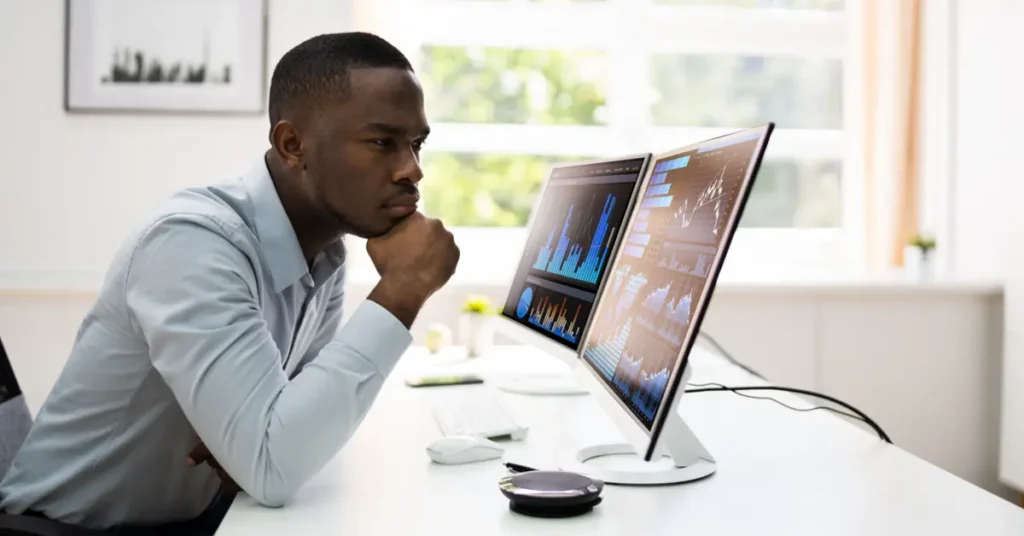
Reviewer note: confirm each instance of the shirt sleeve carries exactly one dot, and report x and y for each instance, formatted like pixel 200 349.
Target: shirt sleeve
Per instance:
pixel 329 329
pixel 193 294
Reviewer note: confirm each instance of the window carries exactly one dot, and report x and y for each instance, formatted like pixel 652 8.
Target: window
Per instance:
pixel 513 86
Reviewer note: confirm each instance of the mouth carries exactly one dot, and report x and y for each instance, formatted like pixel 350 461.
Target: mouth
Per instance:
pixel 402 205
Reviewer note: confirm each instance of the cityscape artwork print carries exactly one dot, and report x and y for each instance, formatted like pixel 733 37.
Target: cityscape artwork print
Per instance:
pixel 166 56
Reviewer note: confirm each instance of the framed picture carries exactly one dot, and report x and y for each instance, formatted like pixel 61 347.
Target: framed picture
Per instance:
pixel 166 56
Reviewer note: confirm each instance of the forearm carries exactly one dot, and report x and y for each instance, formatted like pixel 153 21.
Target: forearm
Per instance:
pixel 402 298
pixel 320 409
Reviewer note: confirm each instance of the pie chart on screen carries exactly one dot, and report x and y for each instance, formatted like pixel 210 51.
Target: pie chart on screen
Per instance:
pixel 524 302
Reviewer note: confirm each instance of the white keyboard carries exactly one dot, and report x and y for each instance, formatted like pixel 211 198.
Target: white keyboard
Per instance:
pixel 477 413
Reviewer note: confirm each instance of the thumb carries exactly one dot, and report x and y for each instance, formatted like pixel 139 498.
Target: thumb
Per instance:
pixel 198 455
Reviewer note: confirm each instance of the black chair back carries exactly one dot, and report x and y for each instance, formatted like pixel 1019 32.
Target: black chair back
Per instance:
pixel 15 418
pixel 9 387
pixel 15 422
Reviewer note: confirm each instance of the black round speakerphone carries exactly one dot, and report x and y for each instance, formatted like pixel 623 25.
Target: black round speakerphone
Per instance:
pixel 551 493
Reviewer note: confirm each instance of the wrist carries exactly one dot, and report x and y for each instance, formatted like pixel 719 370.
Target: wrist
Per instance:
pixel 401 296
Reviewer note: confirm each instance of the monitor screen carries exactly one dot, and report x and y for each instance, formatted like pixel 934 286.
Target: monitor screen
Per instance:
pixel 574 233
pixel 649 302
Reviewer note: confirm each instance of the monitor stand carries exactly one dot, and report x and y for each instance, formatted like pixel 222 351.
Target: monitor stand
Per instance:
pixel 680 456
pixel 685 460
pixel 563 384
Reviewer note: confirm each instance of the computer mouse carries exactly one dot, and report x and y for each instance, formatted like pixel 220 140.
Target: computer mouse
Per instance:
pixel 453 450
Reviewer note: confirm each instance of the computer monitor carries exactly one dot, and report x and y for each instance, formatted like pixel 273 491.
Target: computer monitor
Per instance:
pixel 574 232
pixel 634 355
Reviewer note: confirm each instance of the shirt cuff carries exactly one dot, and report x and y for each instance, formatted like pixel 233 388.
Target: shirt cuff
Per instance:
pixel 377 335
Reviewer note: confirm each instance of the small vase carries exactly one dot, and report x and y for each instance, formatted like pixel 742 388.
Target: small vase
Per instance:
pixel 919 263
pixel 437 338
pixel 476 331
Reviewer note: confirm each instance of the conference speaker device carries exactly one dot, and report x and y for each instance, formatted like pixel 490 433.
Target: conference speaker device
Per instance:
pixel 551 493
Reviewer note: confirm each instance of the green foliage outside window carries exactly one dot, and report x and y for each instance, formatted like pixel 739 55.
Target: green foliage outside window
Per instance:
pixel 470 190
pixel 493 85
pixel 479 85
pixel 489 85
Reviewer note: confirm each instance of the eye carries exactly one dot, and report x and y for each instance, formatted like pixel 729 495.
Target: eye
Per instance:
pixel 418 144
pixel 381 142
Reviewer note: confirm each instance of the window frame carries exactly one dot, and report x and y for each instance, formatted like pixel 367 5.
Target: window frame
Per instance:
pixel 789 252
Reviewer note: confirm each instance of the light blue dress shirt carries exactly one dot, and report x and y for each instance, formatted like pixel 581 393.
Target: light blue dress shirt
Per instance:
pixel 209 322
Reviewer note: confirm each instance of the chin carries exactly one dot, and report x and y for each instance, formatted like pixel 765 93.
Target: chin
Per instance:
pixel 364 228
pixel 372 231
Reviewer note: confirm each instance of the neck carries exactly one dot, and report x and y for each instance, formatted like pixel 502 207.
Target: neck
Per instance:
pixel 310 229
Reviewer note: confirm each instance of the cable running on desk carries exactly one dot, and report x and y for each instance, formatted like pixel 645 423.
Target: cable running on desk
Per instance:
pixel 857 414
pixel 711 387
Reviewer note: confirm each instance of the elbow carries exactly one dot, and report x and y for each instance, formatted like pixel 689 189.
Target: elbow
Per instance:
pixel 272 482
pixel 272 501
pixel 271 488
pixel 274 496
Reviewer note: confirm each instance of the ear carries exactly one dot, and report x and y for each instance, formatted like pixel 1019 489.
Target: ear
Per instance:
pixel 287 143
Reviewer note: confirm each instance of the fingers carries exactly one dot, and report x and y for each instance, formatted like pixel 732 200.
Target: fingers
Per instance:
pixel 199 455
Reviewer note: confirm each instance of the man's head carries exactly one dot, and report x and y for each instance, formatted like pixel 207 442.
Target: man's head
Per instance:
pixel 347 122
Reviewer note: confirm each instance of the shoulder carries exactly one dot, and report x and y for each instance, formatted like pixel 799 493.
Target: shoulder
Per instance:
pixel 194 230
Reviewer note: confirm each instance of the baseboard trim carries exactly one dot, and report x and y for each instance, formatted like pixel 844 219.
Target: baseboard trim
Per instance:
pixel 50 282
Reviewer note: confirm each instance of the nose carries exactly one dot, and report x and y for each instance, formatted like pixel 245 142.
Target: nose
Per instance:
pixel 409 169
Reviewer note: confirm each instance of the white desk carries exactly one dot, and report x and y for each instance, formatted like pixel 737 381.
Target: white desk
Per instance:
pixel 780 472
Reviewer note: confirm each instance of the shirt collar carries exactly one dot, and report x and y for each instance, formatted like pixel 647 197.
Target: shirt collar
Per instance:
pixel 279 245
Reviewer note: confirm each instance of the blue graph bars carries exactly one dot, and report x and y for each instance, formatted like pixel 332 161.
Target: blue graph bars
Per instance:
pixel 649 391
pixel 675 163
pixel 564 258
pixel 605 356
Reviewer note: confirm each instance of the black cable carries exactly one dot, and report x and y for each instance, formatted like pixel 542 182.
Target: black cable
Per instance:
pixel 857 414
pixel 729 357
pixel 776 400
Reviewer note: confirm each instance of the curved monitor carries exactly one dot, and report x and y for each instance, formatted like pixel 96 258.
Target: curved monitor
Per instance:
pixel 574 233
pixel 664 274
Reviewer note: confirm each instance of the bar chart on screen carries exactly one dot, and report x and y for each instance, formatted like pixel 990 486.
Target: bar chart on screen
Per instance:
pixel 579 240
pixel 559 314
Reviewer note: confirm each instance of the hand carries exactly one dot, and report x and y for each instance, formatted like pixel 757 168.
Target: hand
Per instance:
pixel 415 259
pixel 200 455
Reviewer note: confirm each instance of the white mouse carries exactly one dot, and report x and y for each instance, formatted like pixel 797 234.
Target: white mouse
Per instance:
pixel 454 450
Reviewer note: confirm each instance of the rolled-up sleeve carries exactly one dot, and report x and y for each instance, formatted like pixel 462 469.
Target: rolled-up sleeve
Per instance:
pixel 193 293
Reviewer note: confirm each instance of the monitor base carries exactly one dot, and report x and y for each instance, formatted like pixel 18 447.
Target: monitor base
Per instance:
pixel 544 385
pixel 620 464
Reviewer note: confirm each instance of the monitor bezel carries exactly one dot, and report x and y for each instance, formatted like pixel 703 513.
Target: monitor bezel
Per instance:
pixel 646 439
pixel 669 403
pixel 522 334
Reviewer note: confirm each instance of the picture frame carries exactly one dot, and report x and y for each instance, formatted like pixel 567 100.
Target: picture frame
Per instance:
pixel 166 56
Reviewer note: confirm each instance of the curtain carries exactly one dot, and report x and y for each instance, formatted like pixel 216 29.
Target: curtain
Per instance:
pixel 892 49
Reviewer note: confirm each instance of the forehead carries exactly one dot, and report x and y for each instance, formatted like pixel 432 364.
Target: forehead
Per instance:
pixel 392 96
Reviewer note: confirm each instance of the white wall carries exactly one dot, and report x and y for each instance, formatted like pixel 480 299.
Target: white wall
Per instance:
pixel 986 131
pixel 61 172
pixel 1003 116
pixel 987 186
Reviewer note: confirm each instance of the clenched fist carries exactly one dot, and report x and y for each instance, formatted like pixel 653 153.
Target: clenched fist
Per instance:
pixel 415 259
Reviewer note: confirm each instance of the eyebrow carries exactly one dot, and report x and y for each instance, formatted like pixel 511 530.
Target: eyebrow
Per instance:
pixel 394 130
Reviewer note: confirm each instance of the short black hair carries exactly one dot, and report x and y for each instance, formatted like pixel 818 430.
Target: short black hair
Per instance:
pixel 317 70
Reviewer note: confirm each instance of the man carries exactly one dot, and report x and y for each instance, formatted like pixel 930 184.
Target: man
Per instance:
pixel 216 330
